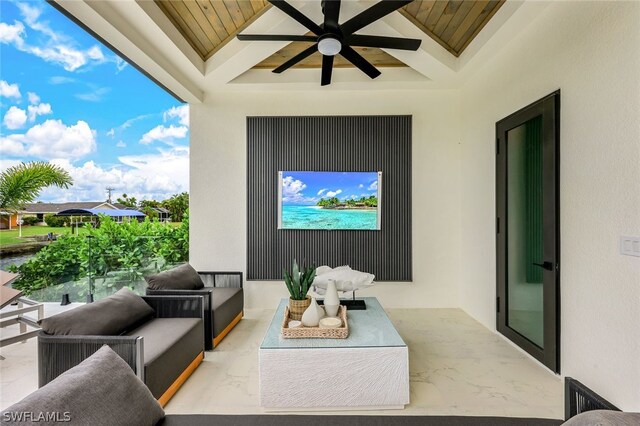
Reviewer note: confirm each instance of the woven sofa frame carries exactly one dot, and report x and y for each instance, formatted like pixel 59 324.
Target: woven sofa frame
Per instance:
pixel 210 279
pixel 59 353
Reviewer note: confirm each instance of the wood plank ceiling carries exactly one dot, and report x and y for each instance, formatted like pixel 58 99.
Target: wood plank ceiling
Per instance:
pixel 209 24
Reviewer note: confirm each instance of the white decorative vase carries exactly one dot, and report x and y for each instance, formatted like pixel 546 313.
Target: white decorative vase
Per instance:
pixel 331 300
pixel 311 317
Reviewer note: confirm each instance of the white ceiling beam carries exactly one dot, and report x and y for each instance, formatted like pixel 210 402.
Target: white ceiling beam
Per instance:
pixel 431 59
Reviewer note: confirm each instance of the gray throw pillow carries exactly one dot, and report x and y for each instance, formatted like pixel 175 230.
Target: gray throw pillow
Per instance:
pixel 110 316
pixel 182 277
pixel 101 390
pixel 604 418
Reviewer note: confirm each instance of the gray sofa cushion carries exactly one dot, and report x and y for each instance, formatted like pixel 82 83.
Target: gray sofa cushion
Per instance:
pixel 604 418
pixel 182 277
pixel 101 390
pixel 226 304
pixel 170 345
pixel 110 316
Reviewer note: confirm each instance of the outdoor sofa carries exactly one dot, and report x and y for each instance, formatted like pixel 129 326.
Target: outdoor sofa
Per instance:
pixel 222 291
pixel 159 337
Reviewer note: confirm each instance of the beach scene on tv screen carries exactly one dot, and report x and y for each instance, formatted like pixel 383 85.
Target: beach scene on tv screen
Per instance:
pixel 329 200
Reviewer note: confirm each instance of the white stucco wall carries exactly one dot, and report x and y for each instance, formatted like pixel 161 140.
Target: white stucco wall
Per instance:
pixel 591 51
pixel 218 184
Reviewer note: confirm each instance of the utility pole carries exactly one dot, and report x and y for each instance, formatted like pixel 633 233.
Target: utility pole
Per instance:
pixel 109 190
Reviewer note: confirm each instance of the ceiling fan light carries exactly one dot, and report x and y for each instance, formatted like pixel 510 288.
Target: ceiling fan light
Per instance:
pixel 329 46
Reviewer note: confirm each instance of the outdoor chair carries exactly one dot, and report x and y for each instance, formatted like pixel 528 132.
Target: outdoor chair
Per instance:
pixel 223 303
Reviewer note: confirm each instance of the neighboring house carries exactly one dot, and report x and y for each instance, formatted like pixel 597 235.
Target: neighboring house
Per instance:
pixel 163 214
pixel 9 220
pixel 41 209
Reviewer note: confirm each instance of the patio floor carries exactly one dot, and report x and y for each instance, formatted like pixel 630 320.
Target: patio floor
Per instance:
pixel 456 366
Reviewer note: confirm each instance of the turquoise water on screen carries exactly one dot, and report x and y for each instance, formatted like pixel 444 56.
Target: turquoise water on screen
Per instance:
pixel 312 217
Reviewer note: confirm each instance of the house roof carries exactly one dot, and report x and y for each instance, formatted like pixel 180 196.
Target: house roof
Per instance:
pixel 96 212
pixel 53 208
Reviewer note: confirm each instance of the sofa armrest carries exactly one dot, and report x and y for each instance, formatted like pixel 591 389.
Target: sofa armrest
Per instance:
pixel 57 353
pixel 176 306
pixel 221 279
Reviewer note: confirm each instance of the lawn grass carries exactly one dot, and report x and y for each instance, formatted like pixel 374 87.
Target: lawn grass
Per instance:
pixel 8 237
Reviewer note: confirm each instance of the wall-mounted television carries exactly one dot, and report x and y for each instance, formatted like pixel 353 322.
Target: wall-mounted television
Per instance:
pixel 329 200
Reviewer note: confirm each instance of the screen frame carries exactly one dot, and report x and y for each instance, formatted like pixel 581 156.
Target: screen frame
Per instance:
pixel 378 195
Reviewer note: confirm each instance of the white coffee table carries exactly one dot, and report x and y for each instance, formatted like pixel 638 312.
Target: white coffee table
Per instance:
pixel 369 370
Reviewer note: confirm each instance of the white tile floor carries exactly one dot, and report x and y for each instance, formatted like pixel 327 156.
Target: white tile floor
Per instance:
pixel 457 367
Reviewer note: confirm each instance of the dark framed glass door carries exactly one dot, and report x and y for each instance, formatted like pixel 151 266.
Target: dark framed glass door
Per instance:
pixel 528 229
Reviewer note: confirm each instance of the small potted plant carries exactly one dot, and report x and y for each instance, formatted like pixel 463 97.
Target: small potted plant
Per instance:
pixel 298 284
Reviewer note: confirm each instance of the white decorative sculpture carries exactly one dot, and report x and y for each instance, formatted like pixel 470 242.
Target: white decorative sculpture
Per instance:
pixel 345 279
pixel 311 316
pixel 331 299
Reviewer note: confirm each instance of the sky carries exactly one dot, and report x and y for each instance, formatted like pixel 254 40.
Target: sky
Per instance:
pixel 67 99
pixel 307 188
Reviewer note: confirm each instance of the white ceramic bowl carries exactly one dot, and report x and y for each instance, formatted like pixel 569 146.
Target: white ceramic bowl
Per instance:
pixel 295 324
pixel 330 322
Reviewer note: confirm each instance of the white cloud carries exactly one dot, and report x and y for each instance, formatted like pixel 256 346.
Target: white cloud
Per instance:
pixel 331 194
pixel 361 186
pixel 15 118
pixel 40 109
pixel 321 191
pixel 292 191
pixel 131 121
pixel 111 132
pixel 94 95
pixel 33 98
pixel 58 79
pixel 70 58
pixel 135 175
pixel 12 34
pixel 9 90
pixel 164 134
pixel 51 139
pixel 181 112
pixel 373 186
pixel 56 47
pixel 121 144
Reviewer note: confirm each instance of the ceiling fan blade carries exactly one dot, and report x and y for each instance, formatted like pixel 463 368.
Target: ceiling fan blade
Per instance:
pixel 327 68
pixel 275 37
pixel 297 15
pixel 299 57
pixel 384 42
pixel 360 62
pixel 372 14
pixel 331 10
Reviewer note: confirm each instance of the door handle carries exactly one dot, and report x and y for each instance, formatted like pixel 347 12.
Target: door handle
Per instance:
pixel 545 265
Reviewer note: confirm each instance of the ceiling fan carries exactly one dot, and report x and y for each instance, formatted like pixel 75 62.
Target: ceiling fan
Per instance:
pixel 332 38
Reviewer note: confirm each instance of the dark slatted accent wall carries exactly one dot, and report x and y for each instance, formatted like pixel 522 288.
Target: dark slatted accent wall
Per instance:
pixel 363 143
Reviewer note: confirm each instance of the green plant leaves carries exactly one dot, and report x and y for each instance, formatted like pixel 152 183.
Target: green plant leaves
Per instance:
pixel 121 251
pixel 299 281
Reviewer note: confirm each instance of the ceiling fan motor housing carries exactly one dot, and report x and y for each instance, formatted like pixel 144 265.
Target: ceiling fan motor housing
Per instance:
pixel 329 44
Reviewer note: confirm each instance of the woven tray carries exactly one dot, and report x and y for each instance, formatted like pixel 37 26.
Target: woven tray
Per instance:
pixel 316 332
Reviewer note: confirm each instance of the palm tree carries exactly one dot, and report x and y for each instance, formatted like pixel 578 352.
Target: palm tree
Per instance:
pixel 22 184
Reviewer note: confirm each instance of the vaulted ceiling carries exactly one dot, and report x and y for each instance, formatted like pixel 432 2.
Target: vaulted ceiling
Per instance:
pixel 209 24
pixel 190 46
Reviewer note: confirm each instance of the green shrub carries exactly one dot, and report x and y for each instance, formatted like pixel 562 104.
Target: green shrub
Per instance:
pixel 126 249
pixel 30 220
pixel 56 221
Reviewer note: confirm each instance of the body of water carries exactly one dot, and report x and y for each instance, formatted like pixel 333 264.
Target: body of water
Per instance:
pixel 312 217
pixel 14 259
